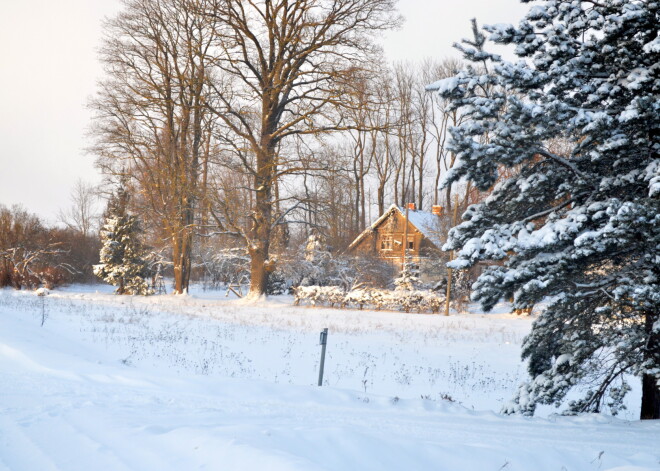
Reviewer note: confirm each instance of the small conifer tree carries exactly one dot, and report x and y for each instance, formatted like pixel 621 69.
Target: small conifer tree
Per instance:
pixel 122 257
pixel 408 280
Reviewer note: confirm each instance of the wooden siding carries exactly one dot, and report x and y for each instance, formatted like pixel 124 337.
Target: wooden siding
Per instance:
pixel 386 239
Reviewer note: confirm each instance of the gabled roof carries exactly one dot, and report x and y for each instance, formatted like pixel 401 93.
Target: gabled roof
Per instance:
pixel 373 226
pixel 427 223
pixel 424 221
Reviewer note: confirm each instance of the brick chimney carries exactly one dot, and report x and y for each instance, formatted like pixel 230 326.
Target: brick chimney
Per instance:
pixel 437 210
pixel 411 206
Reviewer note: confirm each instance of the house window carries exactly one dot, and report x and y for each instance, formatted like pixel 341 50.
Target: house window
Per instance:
pixel 411 244
pixel 386 243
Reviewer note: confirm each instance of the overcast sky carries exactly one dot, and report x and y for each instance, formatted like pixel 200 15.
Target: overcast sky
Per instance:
pixel 49 69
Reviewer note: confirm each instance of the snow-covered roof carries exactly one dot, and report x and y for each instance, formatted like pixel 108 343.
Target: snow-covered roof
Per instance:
pixel 424 221
pixel 427 223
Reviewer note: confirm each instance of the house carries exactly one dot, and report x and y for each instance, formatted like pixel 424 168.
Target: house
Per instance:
pixel 425 233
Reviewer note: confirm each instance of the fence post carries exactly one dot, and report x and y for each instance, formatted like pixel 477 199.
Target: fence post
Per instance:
pixel 323 341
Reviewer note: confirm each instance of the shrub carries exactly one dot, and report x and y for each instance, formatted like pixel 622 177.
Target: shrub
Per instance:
pixel 406 301
pixel 326 295
pixel 224 267
pixel 33 255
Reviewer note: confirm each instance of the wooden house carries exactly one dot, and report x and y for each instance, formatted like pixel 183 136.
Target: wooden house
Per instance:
pixel 423 233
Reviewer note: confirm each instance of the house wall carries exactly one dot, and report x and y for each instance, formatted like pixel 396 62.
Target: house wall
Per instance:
pixel 386 240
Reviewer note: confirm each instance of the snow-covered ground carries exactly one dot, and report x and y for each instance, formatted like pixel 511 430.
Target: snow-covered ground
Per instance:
pixel 199 382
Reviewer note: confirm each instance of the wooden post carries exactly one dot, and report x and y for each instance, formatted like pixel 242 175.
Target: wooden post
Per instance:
pixel 451 257
pixel 405 239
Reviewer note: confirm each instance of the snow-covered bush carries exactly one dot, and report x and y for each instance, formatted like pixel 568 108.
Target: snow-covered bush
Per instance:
pixel 333 295
pixel 365 270
pixel 379 298
pixel 319 263
pixel 31 254
pixel 408 279
pixel 407 297
pixel 432 301
pixel 406 301
pixel 304 294
pixel 224 266
pixel 460 289
pixel 359 297
pixel 21 267
pixel 278 283
pixel 312 266
pixel 325 295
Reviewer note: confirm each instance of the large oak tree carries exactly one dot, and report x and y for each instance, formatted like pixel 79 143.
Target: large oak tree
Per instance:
pixel 283 69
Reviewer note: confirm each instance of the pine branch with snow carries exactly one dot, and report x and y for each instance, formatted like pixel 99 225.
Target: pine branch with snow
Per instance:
pixel 579 230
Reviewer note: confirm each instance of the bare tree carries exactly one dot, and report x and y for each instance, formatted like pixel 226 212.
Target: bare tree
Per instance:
pixel 421 141
pixel 441 120
pixel 363 117
pixel 403 87
pixel 284 66
pixel 81 215
pixel 151 121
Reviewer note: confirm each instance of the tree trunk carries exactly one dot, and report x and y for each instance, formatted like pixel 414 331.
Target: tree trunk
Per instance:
pixel 260 265
pixel 186 260
pixel 262 215
pixel 650 388
pixel 182 242
pixel 177 255
pixel 420 185
pixel 381 199
pixel 363 195
pixel 258 272
pixel 650 398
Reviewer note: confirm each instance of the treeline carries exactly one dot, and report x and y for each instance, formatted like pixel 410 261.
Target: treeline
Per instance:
pixel 256 124
pixel 32 254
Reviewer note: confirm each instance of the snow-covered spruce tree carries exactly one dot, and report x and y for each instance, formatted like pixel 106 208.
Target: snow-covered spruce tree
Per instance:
pixel 408 279
pixel 322 268
pixel 122 256
pixel 578 229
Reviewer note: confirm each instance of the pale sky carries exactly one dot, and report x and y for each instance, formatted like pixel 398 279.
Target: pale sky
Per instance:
pixel 49 68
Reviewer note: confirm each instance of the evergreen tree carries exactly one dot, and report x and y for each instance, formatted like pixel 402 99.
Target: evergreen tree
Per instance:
pixel 578 229
pixel 408 279
pixel 321 267
pixel 122 256
pixel 316 249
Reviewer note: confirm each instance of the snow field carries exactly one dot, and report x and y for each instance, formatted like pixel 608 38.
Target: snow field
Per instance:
pixel 114 383
pixel 386 353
